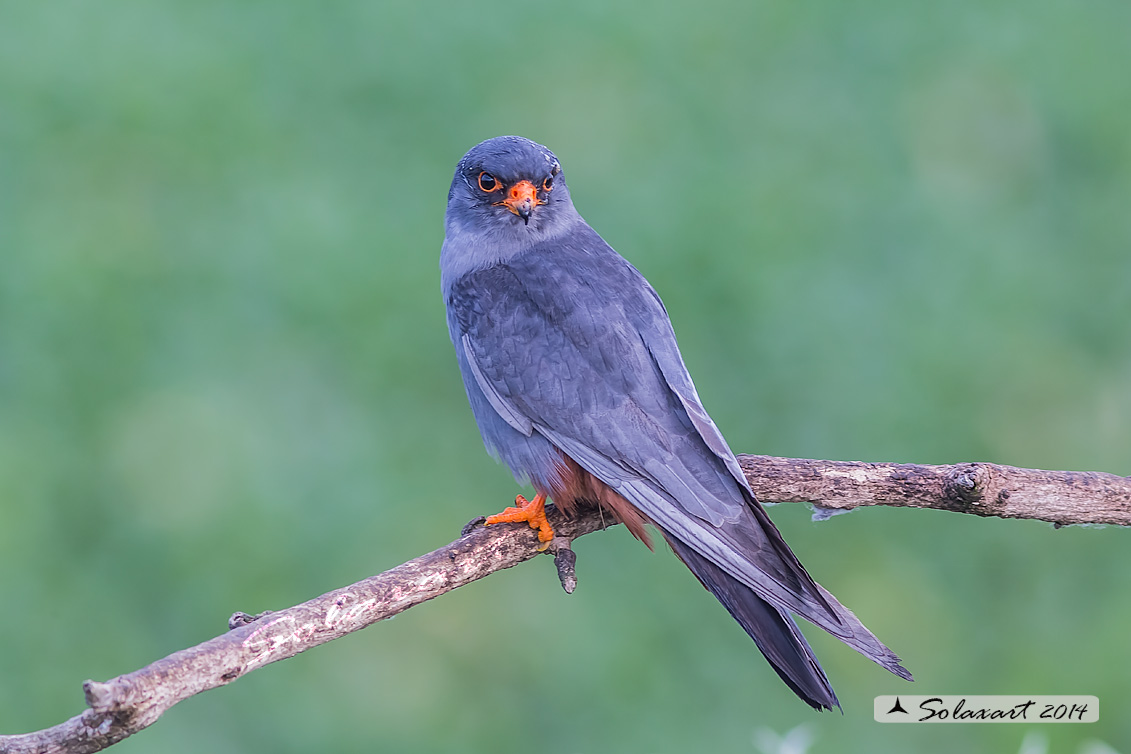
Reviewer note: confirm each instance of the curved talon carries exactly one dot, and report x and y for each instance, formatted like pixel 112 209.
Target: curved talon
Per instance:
pixel 532 512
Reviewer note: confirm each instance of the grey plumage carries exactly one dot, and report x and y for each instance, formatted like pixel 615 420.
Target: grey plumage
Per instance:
pixel 565 349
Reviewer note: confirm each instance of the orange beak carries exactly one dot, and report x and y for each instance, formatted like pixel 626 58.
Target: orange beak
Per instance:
pixel 522 199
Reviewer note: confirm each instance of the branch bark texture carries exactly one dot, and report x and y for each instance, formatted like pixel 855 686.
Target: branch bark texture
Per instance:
pixel 982 489
pixel 129 703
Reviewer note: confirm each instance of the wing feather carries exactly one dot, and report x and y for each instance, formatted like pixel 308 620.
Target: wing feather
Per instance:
pixel 511 415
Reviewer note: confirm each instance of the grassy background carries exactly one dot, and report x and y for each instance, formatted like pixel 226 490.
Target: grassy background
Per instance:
pixel 885 231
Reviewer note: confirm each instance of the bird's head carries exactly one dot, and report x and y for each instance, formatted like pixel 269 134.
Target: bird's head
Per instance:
pixel 508 188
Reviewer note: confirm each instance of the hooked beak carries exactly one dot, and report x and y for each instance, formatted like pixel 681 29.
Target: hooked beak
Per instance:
pixel 522 199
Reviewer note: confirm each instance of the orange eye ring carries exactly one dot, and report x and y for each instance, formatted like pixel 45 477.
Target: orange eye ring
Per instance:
pixel 488 183
pixel 548 183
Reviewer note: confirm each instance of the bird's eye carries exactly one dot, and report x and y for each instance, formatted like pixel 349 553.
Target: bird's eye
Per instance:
pixel 487 182
pixel 548 183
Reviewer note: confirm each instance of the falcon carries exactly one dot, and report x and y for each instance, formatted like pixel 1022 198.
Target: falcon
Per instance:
pixel 575 379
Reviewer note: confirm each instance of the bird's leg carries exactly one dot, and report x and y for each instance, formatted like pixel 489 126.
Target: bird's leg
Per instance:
pixel 532 512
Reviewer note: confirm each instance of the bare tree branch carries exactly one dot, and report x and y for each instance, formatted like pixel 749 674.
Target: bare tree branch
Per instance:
pixel 125 705
pixel 983 489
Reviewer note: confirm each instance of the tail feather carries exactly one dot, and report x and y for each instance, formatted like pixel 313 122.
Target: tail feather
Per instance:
pixel 773 631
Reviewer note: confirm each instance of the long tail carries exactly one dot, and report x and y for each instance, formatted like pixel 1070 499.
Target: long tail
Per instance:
pixel 775 633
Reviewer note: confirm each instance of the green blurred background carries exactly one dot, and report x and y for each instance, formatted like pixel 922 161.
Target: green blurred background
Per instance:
pixel 885 231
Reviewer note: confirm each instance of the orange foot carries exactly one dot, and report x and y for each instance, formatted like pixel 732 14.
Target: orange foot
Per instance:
pixel 532 512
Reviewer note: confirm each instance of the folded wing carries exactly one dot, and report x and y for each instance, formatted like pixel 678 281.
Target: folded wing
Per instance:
pixel 573 343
